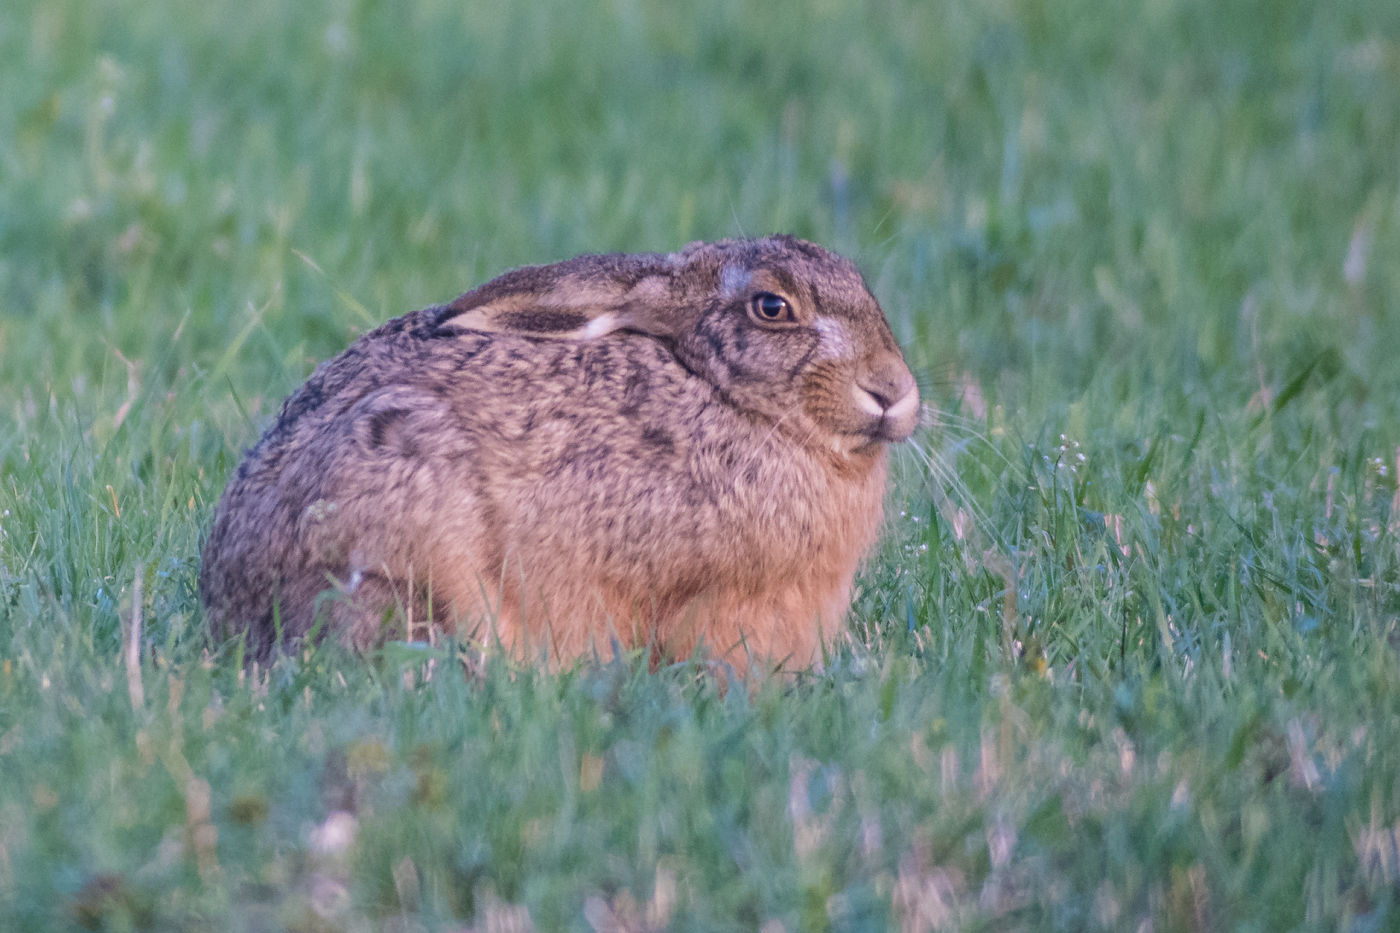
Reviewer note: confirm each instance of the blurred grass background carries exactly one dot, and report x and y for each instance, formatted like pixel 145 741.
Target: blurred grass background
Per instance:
pixel 1143 255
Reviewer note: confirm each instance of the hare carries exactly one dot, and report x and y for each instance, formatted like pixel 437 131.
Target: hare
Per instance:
pixel 680 451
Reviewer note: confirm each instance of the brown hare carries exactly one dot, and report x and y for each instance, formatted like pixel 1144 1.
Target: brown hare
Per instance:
pixel 683 451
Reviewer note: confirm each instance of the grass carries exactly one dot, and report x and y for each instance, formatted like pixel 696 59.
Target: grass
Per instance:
pixel 1127 659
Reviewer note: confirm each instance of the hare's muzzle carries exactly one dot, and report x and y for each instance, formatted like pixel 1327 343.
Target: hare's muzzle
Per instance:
pixel 886 392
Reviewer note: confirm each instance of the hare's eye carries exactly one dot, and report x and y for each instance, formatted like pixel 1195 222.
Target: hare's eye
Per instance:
pixel 770 308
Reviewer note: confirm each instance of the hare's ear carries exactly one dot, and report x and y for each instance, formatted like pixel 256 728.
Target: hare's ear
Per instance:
pixel 568 307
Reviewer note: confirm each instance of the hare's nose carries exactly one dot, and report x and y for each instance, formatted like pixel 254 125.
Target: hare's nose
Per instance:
pixel 887 389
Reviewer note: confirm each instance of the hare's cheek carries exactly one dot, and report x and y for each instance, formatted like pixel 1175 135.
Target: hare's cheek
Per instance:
pixel 828 401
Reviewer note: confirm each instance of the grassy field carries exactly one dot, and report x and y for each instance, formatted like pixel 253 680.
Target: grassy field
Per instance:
pixel 1128 659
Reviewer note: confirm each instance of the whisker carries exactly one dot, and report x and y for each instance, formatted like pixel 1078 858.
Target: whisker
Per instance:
pixel 966 426
pixel 936 416
pixel 944 478
pixel 938 413
pixel 774 435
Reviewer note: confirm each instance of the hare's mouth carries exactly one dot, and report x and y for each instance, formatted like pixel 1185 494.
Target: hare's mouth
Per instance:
pixel 871 437
pixel 890 431
pixel 891 427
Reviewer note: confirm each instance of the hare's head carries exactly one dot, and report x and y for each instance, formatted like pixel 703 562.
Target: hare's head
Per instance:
pixel 780 327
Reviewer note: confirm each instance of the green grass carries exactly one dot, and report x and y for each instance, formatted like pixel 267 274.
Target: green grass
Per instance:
pixel 1146 257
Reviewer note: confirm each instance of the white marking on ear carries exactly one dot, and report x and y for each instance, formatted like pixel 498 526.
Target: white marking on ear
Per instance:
pixel 835 341
pixel 604 323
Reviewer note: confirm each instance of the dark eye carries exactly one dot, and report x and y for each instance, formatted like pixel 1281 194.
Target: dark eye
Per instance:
pixel 770 308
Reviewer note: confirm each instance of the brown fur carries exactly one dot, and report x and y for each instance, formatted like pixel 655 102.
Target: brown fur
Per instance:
pixel 612 447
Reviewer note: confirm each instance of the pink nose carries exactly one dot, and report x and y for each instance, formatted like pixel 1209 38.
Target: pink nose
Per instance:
pixel 887 391
pixel 889 385
pixel 889 388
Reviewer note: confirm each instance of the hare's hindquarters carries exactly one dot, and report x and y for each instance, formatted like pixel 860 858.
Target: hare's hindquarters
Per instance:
pixel 329 521
pixel 402 530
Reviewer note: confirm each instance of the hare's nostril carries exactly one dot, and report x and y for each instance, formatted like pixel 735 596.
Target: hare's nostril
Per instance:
pixel 880 396
pixel 886 389
pixel 870 402
pixel 882 402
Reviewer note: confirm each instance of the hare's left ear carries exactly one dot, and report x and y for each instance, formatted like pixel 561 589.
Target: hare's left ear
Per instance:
pixel 533 302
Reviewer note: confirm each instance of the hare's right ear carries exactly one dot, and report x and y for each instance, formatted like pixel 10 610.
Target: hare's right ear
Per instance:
pixel 546 302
